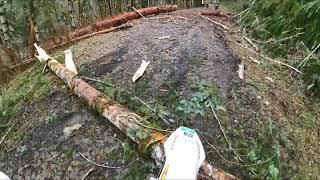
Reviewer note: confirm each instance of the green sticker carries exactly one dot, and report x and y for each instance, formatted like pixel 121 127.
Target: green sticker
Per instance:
pixel 188 130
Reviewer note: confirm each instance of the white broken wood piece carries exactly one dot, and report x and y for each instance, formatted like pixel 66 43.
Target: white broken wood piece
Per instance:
pixel 254 60
pixel 269 79
pixel 42 55
pixel 251 43
pixel 141 70
pixel 69 129
pixel 136 10
pixel 69 63
pixel 3 176
pixel 241 71
pixel 163 37
pixel 215 22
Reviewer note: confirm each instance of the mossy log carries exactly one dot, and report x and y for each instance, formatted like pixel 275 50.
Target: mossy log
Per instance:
pixel 128 122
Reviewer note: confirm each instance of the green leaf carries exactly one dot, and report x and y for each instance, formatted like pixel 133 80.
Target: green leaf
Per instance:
pixel 274 172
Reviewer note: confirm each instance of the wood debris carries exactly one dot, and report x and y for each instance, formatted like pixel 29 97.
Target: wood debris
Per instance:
pixel 140 71
pixel 215 22
pixel 241 71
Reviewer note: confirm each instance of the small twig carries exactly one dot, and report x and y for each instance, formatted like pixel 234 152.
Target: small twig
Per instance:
pixel 44 68
pixel 87 173
pixel 247 12
pixel 251 43
pixel 308 50
pixel 267 58
pixel 148 127
pixel 108 167
pixel 215 148
pixel 226 137
pixel 184 18
pixel 73 34
pixel 153 110
pixel 136 10
pixel 5 135
pixel 308 57
pixel 215 22
pixel 287 38
pixel 240 13
pixel 221 128
pixel 97 80
pixel 135 97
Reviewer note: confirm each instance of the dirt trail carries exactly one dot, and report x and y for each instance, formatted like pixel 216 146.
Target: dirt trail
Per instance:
pixel 182 52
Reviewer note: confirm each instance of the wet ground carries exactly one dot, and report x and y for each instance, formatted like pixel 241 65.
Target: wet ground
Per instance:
pixel 183 49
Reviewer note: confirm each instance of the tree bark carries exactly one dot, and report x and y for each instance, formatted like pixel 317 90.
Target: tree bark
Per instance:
pixel 95 8
pixel 3 22
pixel 71 14
pixel 110 7
pixel 33 21
pixel 5 38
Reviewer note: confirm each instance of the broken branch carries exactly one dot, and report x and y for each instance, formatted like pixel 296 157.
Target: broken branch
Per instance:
pixel 138 12
pixel 251 43
pixel 267 58
pixel 308 57
pixel 215 22
pixel 5 135
pixel 108 167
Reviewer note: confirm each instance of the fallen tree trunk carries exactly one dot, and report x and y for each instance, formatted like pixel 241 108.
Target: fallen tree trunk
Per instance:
pixel 128 122
pixel 112 29
pixel 113 22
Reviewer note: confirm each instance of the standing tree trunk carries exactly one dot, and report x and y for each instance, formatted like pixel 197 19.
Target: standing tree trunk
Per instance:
pixel 110 7
pixel 34 30
pixel 5 34
pixel 71 14
pixel 95 8
pixel 3 22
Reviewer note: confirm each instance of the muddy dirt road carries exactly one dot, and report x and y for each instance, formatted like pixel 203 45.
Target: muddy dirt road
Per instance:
pixel 184 51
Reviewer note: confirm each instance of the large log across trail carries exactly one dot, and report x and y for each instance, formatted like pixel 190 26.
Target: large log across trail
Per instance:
pixel 110 22
pixel 128 122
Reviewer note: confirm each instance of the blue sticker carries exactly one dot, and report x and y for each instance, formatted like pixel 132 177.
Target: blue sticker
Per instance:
pixel 188 130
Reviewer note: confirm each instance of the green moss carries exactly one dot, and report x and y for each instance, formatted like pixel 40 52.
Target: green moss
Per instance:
pixel 197 61
pixel 30 85
pixel 68 152
pixel 142 85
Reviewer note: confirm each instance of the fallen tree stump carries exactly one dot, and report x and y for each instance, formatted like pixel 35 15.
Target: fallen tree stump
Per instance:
pixel 111 22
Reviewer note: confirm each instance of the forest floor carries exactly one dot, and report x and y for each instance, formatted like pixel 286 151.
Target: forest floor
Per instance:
pixel 269 122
